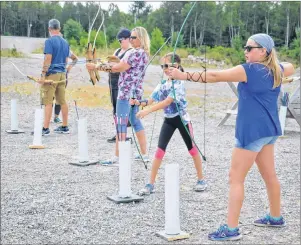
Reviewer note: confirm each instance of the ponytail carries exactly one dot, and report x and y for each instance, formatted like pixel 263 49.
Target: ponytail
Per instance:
pixel 271 61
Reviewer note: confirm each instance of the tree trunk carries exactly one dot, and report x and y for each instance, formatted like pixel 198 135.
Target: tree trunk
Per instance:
pixel 1 21
pixel 45 28
pixel 253 26
pixel 194 28
pixel 231 29
pixel 4 26
pixel 172 29
pixel 287 25
pixel 202 33
pixel 104 31
pixel 220 36
pixel 28 27
pixel 267 21
pixel 190 34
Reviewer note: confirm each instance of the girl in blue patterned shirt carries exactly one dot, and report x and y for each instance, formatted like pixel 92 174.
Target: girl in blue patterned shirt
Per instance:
pixel 174 104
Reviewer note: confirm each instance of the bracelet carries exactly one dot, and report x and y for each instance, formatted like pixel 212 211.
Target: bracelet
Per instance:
pixel 145 101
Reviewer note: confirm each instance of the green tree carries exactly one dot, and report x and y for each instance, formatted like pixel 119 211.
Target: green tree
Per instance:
pixel 72 29
pixel 157 40
pixel 180 41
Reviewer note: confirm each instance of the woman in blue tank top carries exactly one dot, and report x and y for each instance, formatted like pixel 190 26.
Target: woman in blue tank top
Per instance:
pixel 257 127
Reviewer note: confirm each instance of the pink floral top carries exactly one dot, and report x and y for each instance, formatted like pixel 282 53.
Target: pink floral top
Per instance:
pixel 130 81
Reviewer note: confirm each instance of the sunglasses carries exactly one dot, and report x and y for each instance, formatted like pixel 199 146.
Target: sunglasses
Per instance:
pixel 121 39
pixel 133 37
pixel 166 66
pixel 249 48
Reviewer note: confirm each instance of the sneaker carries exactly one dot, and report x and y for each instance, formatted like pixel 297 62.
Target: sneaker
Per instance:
pixel 111 161
pixel 270 221
pixel 147 190
pixel 112 140
pixel 129 139
pixel 57 120
pixel 62 130
pixel 45 131
pixel 201 185
pixel 138 158
pixel 224 234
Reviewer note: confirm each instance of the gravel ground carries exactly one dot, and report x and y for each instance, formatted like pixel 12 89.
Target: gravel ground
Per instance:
pixel 44 200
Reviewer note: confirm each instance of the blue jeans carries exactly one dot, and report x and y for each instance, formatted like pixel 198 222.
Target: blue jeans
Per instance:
pixel 257 145
pixel 123 110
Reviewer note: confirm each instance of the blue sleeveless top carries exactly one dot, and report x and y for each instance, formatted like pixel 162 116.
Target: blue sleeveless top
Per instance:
pixel 257 105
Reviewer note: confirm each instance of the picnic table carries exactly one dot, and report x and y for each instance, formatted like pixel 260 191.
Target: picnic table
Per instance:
pixel 293 109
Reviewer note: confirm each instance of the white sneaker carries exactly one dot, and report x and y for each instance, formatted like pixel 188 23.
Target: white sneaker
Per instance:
pixel 147 190
pixel 145 158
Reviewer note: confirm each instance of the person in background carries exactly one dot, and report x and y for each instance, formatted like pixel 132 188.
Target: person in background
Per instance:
pixel 56 52
pixel 123 37
pixel 57 107
pixel 132 71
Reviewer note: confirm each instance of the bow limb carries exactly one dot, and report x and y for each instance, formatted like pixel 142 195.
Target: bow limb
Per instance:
pixel 31 77
pixel 184 22
pixel 89 51
pixel 103 19
pixel 89 34
pixel 173 88
pixel 94 49
pixel 89 58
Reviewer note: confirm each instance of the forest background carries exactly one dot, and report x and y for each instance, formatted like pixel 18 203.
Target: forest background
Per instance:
pixel 220 28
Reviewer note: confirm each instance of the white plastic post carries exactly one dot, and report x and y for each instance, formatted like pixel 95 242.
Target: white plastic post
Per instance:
pixel 172 196
pixel 83 140
pixel 282 117
pixel 125 158
pixel 14 115
pixel 38 125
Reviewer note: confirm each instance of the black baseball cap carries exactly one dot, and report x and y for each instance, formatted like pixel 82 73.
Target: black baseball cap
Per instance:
pixel 124 33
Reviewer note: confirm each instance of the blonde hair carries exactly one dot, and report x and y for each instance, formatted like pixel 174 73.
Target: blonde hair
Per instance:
pixel 144 38
pixel 271 61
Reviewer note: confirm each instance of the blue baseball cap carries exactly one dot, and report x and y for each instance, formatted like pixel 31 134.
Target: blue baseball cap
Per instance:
pixel 124 33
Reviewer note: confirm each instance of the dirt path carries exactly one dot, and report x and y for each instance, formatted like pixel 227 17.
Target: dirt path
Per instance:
pixel 46 200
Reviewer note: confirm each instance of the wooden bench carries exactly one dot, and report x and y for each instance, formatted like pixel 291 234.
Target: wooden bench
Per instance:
pixel 293 109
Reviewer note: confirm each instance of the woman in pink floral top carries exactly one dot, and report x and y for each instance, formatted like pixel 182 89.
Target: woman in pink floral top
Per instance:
pixel 132 70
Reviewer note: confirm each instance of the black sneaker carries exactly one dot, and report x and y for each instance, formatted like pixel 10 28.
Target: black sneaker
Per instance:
pixel 45 131
pixel 112 140
pixel 62 130
pixel 129 139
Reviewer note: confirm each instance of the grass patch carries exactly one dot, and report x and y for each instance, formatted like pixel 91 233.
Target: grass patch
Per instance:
pixel 11 53
pixel 38 51
pixel 25 88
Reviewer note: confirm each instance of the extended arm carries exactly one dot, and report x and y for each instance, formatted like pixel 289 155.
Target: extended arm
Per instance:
pixel 235 74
